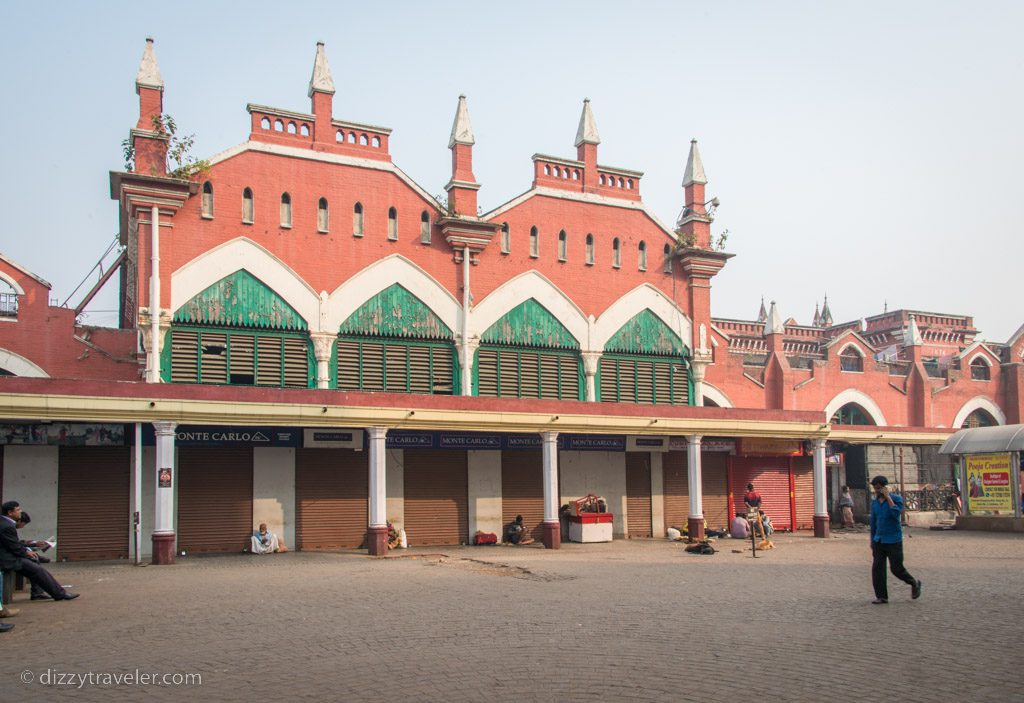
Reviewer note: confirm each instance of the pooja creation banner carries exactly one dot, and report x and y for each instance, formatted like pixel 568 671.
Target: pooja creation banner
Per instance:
pixel 988 482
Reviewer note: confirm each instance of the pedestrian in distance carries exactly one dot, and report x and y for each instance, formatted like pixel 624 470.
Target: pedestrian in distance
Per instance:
pixel 846 506
pixel 887 542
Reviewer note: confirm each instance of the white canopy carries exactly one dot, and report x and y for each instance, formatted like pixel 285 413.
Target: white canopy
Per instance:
pixel 982 440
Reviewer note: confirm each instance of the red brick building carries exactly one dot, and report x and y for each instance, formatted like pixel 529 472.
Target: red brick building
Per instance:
pixel 314 341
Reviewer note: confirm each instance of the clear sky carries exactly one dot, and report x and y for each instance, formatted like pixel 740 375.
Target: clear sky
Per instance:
pixel 870 150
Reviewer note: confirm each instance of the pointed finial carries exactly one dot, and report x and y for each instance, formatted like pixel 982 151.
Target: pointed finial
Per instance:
pixel 912 337
pixel 462 130
pixel 694 167
pixel 586 133
pixel 826 314
pixel 321 81
pixel 817 316
pixel 149 70
pixel 762 314
pixel 774 324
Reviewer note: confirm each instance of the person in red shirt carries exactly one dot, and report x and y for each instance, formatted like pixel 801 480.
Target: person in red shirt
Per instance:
pixel 752 498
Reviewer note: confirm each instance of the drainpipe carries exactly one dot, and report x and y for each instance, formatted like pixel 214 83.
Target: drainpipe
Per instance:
pixel 153 375
pixel 467 376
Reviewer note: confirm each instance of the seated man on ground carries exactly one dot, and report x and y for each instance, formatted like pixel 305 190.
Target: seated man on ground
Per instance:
pixel 517 532
pixel 740 528
pixel 264 541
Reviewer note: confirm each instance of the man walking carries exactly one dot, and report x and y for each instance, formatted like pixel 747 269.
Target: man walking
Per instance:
pixel 887 542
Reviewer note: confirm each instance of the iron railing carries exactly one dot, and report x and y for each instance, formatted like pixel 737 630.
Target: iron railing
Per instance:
pixel 928 499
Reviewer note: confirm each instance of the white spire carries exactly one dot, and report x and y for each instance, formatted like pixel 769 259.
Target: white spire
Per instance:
pixel 694 167
pixel 586 133
pixel 462 130
pixel 149 71
pixel 321 80
pixel 912 337
pixel 774 324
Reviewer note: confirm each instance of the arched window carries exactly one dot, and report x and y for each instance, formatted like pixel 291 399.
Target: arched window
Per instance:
pixel 375 142
pixel 563 246
pixel 666 266
pixel 642 256
pixel 286 210
pixel 590 250
pixel 851 414
pixel 616 253
pixel 392 224
pixel 980 370
pixel 850 360
pixel 506 238
pixel 304 130
pixel 207 201
pixel 247 207
pixel 425 228
pixel 323 216
pixel 278 126
pixel 363 140
pixel 265 123
pixel 8 300
pixel 534 242
pixel 339 136
pixel 357 220
pixel 351 137
pixel 979 418
pixel 292 129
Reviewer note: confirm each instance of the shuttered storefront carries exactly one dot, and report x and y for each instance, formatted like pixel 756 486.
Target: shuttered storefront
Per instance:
pixel 638 494
pixel 675 484
pixel 93 508
pixel 214 499
pixel 770 476
pixel 331 498
pixel 714 467
pixel 714 496
pixel 436 497
pixel 803 489
pixel 522 490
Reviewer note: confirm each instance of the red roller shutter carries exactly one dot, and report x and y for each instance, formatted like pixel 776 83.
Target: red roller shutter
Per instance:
pixel 522 490
pixel 436 497
pixel 675 485
pixel 714 472
pixel 803 482
pixel 214 499
pixel 331 498
pixel 770 476
pixel 93 508
pixel 638 494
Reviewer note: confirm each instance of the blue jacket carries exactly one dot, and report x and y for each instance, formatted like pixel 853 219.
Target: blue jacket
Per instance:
pixel 885 521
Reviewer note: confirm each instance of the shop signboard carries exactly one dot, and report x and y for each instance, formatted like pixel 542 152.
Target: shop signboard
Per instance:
pixel 988 482
pixel 226 436
pixel 333 438
pixel 64 434
pixel 769 446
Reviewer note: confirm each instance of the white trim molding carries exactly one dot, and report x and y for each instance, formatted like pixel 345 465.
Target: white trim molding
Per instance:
pixel 978 402
pixel 643 297
pixel 517 290
pixel 718 397
pixel 852 395
pixel 20 366
pixel 13 283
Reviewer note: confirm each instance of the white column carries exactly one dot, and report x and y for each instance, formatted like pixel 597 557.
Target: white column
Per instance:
pixel 591 361
pixel 378 477
pixel 163 510
pixel 698 367
pixel 820 507
pixel 323 343
pixel 137 495
pixel 693 476
pixel 549 444
pixel 153 362
pixel 467 352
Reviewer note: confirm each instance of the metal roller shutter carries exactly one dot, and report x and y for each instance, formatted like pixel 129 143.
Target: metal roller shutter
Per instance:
pixel 214 499
pixel 770 476
pixel 436 497
pixel 522 490
pixel 638 494
pixel 803 483
pixel 675 484
pixel 331 498
pixel 93 508
pixel 2 450
pixel 715 484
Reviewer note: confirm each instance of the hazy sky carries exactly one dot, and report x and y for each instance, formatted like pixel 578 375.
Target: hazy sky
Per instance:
pixel 869 150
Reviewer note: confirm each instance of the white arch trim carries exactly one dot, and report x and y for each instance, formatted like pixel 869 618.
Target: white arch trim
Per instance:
pixel 855 347
pixel 20 366
pixel 852 395
pixel 978 402
pixel 350 295
pixel 242 253
pixel 711 393
pixel 13 283
pixel 644 296
pixel 515 291
pixel 980 355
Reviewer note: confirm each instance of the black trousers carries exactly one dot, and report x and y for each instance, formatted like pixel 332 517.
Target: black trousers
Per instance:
pixel 40 578
pixel 894 553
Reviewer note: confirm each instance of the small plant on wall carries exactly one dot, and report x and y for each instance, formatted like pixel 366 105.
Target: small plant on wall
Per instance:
pixel 179 150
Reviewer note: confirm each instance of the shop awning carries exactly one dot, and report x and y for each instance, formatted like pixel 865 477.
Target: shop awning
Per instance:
pixel 982 440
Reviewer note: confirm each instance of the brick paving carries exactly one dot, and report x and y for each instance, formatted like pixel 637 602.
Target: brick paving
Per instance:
pixel 524 624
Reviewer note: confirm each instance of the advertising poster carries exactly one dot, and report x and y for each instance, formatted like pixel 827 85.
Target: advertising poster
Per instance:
pixel 988 482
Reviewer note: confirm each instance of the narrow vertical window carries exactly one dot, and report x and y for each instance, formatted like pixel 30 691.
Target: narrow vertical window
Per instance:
pixel 616 253
pixel 286 210
pixel 642 256
pixel 357 220
pixel 534 242
pixel 667 265
pixel 563 246
pixel 207 201
pixel 590 250
pixel 425 228
pixel 392 224
pixel 506 238
pixel 323 216
pixel 247 206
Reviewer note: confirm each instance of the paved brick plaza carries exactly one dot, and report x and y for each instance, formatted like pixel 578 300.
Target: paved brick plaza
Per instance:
pixel 636 620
